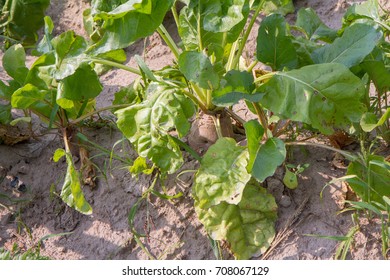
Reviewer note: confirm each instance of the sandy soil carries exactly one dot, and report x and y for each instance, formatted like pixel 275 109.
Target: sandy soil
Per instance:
pixel 174 231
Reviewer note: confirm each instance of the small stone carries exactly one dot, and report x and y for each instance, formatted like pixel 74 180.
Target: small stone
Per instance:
pixel 285 201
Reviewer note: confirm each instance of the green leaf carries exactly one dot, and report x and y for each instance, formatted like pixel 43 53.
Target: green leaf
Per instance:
pixel 197 68
pixel 274 47
pixel 270 155
pixel 147 124
pixel 24 18
pixel 58 154
pixel 69 52
pixel 378 73
pixel 248 227
pixel 223 15
pixel 14 63
pixel 290 179
pixel 234 86
pixel 26 96
pixel 254 133
pixel 282 7
pixel 365 10
pixel 222 175
pixel 351 48
pixel 369 121
pixel 373 180
pixel 140 166
pixel 326 96
pixel 123 25
pixel 308 20
pixel 45 45
pixel 5 114
pixel 71 192
pixel 84 84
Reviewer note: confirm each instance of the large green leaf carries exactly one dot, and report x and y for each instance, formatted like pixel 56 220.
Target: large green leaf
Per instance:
pixel 125 24
pixel 269 156
pixel 23 19
pixel 350 49
pixel 248 227
pixel 274 47
pixel 222 175
pixel 308 20
pixel 26 96
pixel 14 63
pixel 197 68
pixel 82 85
pixel 372 179
pixel 147 125
pixel 71 192
pixel 326 96
pixel 234 86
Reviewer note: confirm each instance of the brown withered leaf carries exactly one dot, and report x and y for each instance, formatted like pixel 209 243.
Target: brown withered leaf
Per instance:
pixel 87 168
pixel 11 135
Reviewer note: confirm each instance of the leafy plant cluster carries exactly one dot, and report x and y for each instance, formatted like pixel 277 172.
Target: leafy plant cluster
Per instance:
pixel 315 76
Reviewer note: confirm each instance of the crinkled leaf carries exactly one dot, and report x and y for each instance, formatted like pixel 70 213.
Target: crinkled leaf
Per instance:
pixel 84 84
pixel 126 95
pixel 147 124
pixel 234 86
pixel 24 18
pixel 40 74
pixel 304 49
pixel 308 20
pixel 222 175
pixel 351 48
pixel 197 68
pixel 27 95
pixel 378 185
pixel 5 114
pixel 254 133
pixel 126 27
pixel 269 156
pixel 248 227
pixel 274 47
pixel 326 96
pixel 14 63
pixel 71 192
pixel 70 53
pixel 45 45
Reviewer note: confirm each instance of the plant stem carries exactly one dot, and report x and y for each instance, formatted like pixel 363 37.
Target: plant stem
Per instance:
pixel 252 65
pixel 229 64
pixel 117 65
pixel 98 111
pixel 247 32
pixel 265 77
pixel 175 15
pixel 217 124
pixel 168 40
pixel 262 117
pixel 349 156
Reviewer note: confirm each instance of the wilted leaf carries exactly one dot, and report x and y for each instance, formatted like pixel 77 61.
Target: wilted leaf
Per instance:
pixel 71 192
pixel 222 175
pixel 26 96
pixel 248 227
pixel 147 125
